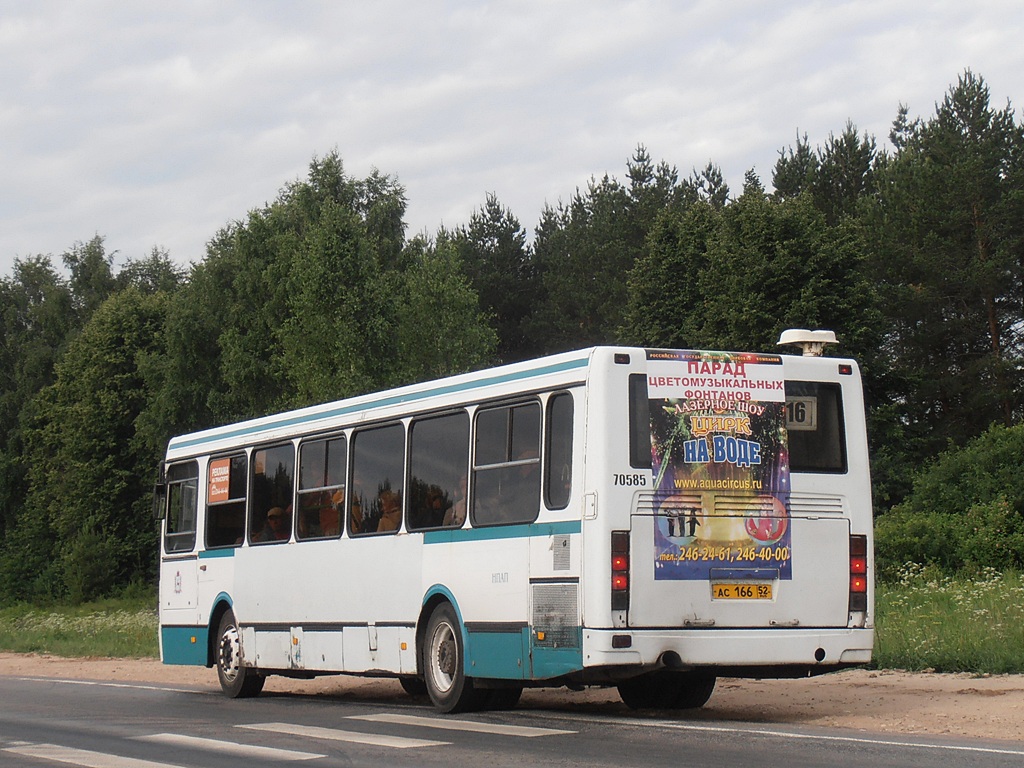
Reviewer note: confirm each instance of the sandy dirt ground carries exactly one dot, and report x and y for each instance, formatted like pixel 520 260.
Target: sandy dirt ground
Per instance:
pixel 989 707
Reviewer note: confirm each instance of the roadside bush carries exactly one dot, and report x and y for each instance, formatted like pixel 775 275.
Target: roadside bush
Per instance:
pixel 966 510
pixel 993 536
pixel 984 470
pixel 904 536
pixel 28 567
pixel 87 567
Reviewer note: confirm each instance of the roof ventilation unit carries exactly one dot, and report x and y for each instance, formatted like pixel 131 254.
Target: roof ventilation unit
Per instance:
pixel 811 342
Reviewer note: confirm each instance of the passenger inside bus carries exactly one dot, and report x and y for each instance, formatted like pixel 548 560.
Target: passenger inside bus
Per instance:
pixel 330 515
pixel 391 512
pixel 355 514
pixel 276 528
pixel 434 507
pixel 310 505
pixel 455 516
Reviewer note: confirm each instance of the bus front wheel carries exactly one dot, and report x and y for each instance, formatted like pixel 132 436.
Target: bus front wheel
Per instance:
pixel 237 681
pixel 414 686
pixel 503 698
pixel 443 664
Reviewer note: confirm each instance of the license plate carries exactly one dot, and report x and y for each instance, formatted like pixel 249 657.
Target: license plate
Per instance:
pixel 738 590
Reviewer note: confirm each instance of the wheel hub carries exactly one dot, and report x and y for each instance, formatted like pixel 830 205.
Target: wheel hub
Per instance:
pixel 229 657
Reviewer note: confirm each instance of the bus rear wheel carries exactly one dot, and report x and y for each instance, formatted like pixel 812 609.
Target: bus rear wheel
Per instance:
pixel 236 681
pixel 667 690
pixel 695 690
pixel 443 664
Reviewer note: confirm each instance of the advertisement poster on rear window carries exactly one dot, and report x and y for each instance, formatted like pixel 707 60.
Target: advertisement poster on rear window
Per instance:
pixel 721 468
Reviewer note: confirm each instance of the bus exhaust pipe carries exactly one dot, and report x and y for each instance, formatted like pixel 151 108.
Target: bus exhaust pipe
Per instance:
pixel 671 660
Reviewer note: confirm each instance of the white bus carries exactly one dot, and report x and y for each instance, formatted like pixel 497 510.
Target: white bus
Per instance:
pixel 641 518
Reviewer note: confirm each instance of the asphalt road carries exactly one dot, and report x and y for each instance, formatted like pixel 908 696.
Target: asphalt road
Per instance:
pixel 117 725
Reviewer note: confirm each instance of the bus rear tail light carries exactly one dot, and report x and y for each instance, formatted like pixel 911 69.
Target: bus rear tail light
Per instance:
pixel 858 573
pixel 620 570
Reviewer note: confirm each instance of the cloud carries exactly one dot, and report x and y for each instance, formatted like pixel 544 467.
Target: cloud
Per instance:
pixel 158 125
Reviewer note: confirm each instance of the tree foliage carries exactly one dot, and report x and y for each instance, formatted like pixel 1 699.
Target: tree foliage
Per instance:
pixel 89 472
pixel 945 239
pixel 36 314
pixel 500 267
pixel 836 177
pixel 913 255
pixel 312 298
pixel 585 249
pixel 735 277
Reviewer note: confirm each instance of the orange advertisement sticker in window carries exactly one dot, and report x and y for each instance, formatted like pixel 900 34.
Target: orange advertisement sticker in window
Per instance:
pixel 220 476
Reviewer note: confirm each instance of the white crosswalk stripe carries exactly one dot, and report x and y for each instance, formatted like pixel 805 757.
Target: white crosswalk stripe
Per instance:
pixel 83 757
pixel 229 747
pixel 90 759
pixel 336 734
pixel 461 725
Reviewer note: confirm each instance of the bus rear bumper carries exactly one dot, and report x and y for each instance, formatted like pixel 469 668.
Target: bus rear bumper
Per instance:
pixel 763 653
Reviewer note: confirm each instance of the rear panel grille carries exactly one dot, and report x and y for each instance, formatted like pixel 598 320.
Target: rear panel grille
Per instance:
pixel 556 615
pixel 800 505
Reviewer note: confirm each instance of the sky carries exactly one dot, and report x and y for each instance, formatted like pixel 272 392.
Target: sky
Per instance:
pixel 157 124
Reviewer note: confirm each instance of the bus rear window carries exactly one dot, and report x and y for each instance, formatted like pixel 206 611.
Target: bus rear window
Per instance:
pixel 814 422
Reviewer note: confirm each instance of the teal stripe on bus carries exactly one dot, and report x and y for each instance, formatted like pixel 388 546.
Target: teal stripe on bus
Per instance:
pixel 450 535
pixel 409 397
pixel 206 554
pixel 548 663
pixel 185 645
pixel 500 655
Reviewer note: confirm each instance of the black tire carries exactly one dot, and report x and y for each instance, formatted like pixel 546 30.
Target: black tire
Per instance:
pixel 414 686
pixel 667 690
pixel 503 698
pixel 654 690
pixel 236 681
pixel 443 659
pixel 695 690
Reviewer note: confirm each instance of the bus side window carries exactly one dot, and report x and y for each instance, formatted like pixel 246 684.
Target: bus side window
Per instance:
pixel 438 461
pixel 378 468
pixel 321 488
pixel 225 501
pixel 182 505
pixel 273 470
pixel 639 423
pixel 506 468
pixel 558 452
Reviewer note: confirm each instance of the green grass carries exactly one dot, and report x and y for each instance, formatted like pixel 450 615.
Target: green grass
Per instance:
pixel 925 620
pixel 965 623
pixel 121 628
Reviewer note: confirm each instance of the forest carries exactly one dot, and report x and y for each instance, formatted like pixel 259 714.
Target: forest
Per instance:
pixel 913 254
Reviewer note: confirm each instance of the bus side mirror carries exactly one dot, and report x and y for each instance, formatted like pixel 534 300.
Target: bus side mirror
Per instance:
pixel 159 501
